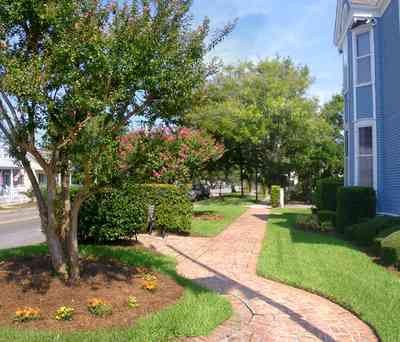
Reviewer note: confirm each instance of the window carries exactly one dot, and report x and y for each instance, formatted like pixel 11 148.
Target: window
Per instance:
pixel 363 59
pixel 18 178
pixel 42 179
pixel 365 158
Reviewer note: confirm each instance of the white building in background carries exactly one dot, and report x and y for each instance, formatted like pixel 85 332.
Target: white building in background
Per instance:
pixel 14 183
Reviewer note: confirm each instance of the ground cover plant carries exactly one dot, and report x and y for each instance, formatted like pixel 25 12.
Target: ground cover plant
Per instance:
pixel 333 268
pixel 212 216
pixel 190 311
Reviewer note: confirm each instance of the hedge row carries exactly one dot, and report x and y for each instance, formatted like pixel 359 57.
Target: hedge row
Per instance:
pixel 354 204
pixel 121 213
pixel 325 196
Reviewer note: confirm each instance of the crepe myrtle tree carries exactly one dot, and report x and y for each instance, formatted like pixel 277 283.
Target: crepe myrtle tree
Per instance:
pixel 168 155
pixel 72 75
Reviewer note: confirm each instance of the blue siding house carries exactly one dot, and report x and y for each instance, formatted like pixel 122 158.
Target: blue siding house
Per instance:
pixel 367 33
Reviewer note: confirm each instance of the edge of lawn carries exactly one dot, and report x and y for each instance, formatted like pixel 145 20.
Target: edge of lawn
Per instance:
pixel 197 313
pixel 342 303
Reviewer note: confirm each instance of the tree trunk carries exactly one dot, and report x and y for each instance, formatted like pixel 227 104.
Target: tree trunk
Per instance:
pixel 241 181
pixel 53 239
pixel 256 185
pixel 72 243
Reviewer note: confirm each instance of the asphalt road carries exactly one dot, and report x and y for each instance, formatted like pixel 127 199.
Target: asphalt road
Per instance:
pixel 19 227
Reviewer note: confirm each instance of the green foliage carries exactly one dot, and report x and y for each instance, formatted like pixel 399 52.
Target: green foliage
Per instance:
pixel 121 213
pixel 390 248
pixel 267 123
pixel 365 232
pixel 307 222
pixel 327 216
pixel 353 205
pixel 326 193
pixel 275 196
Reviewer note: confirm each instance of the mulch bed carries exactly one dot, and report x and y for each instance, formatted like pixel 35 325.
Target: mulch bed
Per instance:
pixel 208 217
pixel 29 282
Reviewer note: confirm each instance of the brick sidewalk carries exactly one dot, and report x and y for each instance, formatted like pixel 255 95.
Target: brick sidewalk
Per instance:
pixel 264 310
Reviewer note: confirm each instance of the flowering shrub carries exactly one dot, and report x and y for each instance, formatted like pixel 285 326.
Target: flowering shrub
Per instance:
pixel 27 314
pixel 164 156
pixel 99 308
pixel 150 282
pixel 64 314
pixel 132 302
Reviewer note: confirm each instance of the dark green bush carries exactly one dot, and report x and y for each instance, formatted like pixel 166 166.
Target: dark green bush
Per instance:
pixel 117 214
pixel 326 193
pixel 327 216
pixel 366 232
pixel 353 205
pixel 275 196
pixel 390 248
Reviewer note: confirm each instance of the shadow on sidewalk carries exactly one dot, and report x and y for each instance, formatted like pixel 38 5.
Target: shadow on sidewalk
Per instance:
pixel 224 284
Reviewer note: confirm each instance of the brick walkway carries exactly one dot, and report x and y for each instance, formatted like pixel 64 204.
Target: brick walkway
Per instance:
pixel 264 310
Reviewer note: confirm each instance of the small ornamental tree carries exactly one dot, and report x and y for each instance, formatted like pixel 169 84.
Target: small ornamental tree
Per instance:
pixel 72 75
pixel 166 156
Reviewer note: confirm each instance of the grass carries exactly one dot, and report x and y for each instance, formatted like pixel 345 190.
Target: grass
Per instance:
pixel 197 313
pixel 230 207
pixel 333 268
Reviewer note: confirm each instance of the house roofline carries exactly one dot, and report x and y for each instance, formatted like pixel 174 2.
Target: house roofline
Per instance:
pixel 356 12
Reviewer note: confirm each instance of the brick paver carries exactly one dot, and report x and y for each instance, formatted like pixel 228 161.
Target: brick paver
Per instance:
pixel 265 311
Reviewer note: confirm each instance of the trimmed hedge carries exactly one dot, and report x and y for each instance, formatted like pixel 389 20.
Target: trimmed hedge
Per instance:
pixel 327 216
pixel 370 231
pixel 353 205
pixel 326 193
pixel 390 248
pixel 275 196
pixel 117 214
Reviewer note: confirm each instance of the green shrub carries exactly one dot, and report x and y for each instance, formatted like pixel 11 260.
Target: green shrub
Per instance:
pixel 308 222
pixel 367 231
pixel 117 214
pixel 353 205
pixel 327 216
pixel 390 248
pixel 326 226
pixel 275 196
pixel 326 193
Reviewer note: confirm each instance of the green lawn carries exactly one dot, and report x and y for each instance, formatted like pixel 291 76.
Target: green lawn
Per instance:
pixel 334 269
pixel 230 207
pixel 196 314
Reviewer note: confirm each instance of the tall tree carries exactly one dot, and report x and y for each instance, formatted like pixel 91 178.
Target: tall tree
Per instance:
pixel 72 75
pixel 261 111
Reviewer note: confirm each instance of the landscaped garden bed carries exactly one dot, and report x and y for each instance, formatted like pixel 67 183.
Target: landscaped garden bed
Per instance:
pixel 332 267
pixel 28 282
pixel 125 293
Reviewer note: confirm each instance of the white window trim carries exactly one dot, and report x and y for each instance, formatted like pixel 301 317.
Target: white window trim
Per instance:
pixel 346 81
pixel 357 31
pixel 359 124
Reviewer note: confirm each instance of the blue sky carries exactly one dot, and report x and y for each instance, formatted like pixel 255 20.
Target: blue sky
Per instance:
pixel 301 29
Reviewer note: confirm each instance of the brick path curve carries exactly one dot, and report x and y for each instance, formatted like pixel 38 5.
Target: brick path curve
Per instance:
pixel 264 310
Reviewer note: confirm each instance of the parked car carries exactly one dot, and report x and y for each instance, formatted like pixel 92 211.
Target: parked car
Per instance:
pixel 199 192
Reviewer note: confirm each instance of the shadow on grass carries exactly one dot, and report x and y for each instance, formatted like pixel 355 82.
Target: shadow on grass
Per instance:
pixel 288 220
pixel 137 257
